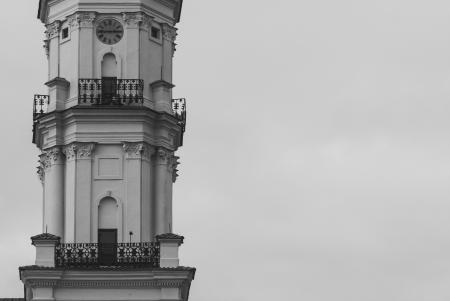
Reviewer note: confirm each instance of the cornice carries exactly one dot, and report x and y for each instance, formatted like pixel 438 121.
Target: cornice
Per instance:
pixel 142 117
pixel 176 5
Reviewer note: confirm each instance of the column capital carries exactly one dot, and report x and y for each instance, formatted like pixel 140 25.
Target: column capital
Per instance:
pixel 138 150
pixel 163 156
pixel 50 157
pixel 79 150
pixel 53 29
pixel 137 20
pixel 169 32
pixel 82 19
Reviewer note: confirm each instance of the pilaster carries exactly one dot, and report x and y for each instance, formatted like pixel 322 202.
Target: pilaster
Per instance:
pixel 52 43
pixel 84 22
pixel 133 22
pixel 52 172
pixel 78 194
pixel 138 192
pixel 163 190
pixel 169 34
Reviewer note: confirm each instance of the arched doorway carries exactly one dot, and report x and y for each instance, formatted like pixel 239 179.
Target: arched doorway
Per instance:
pixel 107 231
pixel 109 78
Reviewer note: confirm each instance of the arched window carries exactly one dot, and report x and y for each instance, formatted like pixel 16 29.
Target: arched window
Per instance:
pixel 109 65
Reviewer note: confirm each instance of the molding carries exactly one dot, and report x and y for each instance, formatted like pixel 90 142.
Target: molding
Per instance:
pixel 41 283
pixel 121 283
pixel 38 283
pixel 58 81
pixel 161 83
pixel 52 30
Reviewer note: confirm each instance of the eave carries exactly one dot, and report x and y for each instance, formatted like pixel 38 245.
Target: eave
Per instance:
pixel 42 10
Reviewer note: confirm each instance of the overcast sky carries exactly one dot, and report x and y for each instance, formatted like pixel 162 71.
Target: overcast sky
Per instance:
pixel 316 161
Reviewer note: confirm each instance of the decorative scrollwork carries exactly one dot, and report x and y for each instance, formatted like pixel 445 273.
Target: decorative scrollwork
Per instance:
pixel 138 150
pixel 53 30
pixel 169 32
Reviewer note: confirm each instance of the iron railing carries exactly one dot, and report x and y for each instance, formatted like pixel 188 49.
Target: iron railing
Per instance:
pixel 40 105
pixel 110 91
pixel 145 254
pixel 179 111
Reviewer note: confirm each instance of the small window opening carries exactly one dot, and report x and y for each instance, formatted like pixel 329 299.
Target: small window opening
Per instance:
pixel 65 33
pixel 155 33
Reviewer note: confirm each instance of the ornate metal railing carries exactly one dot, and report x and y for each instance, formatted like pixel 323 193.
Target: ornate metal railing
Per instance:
pixel 179 111
pixel 110 91
pixel 121 254
pixel 40 105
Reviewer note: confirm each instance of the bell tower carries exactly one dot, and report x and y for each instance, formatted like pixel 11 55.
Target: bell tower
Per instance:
pixel 108 131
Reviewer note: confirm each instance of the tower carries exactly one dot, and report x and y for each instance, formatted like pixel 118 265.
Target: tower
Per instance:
pixel 108 131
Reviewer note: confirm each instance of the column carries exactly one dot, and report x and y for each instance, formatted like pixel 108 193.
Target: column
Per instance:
pixel 52 40
pixel 52 169
pixel 162 190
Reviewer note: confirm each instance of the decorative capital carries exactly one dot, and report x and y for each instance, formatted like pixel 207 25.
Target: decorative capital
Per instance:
pixel 138 150
pixel 163 156
pixel 79 150
pixel 169 32
pixel 137 20
pixel 81 19
pixel 49 158
pixel 53 30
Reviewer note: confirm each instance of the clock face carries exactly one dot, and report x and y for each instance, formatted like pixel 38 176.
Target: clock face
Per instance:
pixel 110 31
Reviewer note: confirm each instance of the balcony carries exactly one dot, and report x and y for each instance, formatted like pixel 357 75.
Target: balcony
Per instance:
pixel 110 91
pixel 145 254
pixel 40 105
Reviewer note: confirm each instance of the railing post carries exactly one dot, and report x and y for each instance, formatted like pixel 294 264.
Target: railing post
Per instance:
pixel 169 245
pixel 45 249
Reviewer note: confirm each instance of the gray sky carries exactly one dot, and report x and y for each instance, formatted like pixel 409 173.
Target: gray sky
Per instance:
pixel 316 160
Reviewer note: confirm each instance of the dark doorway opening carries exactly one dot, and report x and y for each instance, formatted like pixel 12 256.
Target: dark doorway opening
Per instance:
pixel 109 90
pixel 107 246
